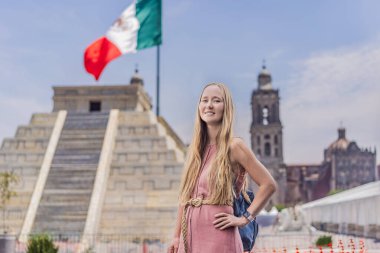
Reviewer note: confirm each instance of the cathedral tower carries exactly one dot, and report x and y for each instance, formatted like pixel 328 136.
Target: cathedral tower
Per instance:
pixel 266 130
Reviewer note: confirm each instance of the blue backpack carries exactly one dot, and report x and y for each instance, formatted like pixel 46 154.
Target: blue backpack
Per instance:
pixel 249 232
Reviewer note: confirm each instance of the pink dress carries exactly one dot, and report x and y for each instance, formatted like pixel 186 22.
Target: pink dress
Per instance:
pixel 202 236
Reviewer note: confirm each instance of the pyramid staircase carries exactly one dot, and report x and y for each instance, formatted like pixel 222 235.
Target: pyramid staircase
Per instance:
pixel 65 200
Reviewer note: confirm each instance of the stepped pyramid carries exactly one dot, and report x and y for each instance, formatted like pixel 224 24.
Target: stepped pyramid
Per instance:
pixel 100 164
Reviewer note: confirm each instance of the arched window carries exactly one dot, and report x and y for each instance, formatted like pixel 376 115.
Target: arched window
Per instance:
pixel 258 140
pixel 275 139
pixel 267 137
pixel 267 149
pixel 265 117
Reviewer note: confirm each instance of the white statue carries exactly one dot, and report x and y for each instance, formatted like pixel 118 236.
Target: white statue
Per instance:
pixel 292 219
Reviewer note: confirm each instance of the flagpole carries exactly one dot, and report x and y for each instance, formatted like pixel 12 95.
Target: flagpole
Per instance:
pixel 158 83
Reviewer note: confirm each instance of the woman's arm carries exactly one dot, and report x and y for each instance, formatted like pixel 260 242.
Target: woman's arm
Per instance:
pixel 242 155
pixel 177 231
pixel 173 247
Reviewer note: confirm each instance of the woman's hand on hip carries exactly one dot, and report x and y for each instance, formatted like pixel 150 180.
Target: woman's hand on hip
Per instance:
pixel 225 220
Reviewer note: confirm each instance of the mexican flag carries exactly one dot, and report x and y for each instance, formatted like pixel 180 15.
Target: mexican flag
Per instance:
pixel 138 27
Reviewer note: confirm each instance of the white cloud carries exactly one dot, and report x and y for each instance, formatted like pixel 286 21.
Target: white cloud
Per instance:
pixel 341 85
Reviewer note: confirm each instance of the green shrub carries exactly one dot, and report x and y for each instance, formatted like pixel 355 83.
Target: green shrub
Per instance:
pixel 41 244
pixel 279 207
pixel 335 191
pixel 323 240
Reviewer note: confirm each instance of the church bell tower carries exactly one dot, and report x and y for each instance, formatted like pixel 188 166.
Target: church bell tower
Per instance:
pixel 266 131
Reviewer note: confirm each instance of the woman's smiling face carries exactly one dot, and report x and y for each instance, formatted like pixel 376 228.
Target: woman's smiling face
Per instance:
pixel 211 105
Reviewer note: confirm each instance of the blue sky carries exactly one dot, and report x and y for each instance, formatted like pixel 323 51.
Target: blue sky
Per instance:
pixel 324 57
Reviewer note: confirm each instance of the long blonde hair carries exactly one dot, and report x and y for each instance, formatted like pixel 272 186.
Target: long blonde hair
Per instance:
pixel 221 176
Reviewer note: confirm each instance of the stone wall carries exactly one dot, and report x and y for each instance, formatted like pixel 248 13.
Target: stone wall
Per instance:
pixel 24 154
pixel 142 195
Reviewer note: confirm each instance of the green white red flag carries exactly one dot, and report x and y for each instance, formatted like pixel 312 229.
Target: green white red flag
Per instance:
pixel 138 27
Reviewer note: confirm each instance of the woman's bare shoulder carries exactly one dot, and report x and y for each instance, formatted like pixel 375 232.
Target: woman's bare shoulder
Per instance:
pixel 237 143
pixel 237 148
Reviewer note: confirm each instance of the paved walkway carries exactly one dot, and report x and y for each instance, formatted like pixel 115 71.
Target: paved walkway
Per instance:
pixel 270 241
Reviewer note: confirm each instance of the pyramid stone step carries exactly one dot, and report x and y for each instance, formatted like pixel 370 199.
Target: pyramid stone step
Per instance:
pixel 24 144
pixel 64 185
pixel 137 170
pixel 78 159
pixel 142 144
pixel 71 173
pixel 68 191
pixel 74 180
pixel 43 119
pixel 80 144
pixel 72 168
pixel 88 135
pixel 78 152
pixel 57 198
pixel 85 115
pixel 22 157
pixel 62 223
pixel 134 118
pixel 62 226
pixel 74 162
pixel 141 156
pixel 150 130
pixel 22 163
pixel 34 132
pixel 93 124
pixel 61 209
pixel 21 171
pixel 169 165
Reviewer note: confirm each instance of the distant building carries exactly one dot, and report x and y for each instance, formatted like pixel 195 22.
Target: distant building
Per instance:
pixel 301 181
pixel 345 166
pixel 266 131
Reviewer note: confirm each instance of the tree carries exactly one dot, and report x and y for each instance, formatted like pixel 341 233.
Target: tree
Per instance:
pixel 6 180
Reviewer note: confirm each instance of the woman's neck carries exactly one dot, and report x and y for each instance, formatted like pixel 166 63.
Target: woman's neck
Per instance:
pixel 212 132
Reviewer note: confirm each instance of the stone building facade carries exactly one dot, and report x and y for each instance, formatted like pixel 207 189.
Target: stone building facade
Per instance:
pixel 301 181
pixel 345 166
pixel 349 164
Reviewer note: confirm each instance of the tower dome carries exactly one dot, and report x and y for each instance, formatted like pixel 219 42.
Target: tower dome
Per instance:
pixel 341 143
pixel 265 79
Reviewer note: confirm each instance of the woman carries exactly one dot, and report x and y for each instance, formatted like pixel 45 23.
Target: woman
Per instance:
pixel 214 173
